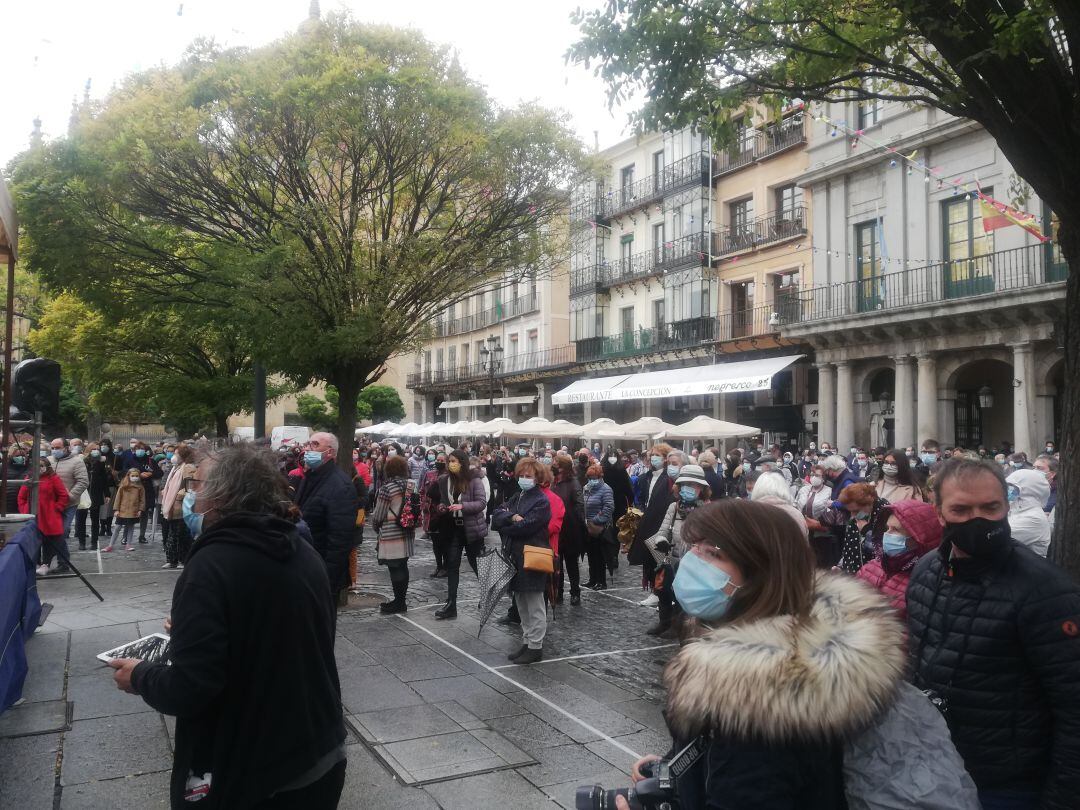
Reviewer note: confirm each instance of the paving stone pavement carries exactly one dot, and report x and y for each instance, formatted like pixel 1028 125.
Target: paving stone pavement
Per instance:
pixel 438 717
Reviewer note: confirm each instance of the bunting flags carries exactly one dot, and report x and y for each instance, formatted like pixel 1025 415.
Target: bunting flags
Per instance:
pixel 996 214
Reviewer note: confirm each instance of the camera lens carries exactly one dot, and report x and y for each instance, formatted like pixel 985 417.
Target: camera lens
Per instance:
pixel 589 797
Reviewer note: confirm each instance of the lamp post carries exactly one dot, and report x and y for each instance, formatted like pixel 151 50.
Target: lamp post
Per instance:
pixel 492 361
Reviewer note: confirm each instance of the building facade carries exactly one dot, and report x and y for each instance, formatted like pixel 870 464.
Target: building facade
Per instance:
pixel 924 325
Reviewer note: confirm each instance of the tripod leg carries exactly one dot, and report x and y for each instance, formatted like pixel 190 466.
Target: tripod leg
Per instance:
pixel 86 582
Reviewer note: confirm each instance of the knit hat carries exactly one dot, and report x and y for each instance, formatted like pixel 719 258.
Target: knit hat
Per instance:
pixel 692 474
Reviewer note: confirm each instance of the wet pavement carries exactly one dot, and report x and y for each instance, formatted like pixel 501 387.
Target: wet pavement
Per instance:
pixel 437 716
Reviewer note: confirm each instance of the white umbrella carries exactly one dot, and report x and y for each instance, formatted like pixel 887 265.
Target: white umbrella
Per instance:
pixel 382 427
pixel 595 427
pixel 646 427
pixel 420 431
pixel 494 428
pixel 540 428
pixel 701 427
pixel 403 430
pixel 462 428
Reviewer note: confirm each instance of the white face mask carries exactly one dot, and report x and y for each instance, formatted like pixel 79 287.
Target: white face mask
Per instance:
pixel 612 460
pixel 816 481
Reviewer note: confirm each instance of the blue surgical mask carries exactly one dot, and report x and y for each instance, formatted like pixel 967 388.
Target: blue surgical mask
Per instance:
pixel 57 454
pixel 1014 493
pixel 140 453
pixel 673 471
pixel 862 515
pixel 747 466
pixel 928 458
pixel 169 457
pixel 522 452
pixel 656 461
pixel 688 493
pixel 430 457
pixel 699 587
pixel 95 454
pixel 546 461
pixel 313 458
pixel 192 519
pixel 526 484
pixel 893 543
pixel 592 483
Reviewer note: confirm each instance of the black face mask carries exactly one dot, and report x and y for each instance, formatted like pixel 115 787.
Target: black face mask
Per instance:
pixel 979 537
pixel 440 466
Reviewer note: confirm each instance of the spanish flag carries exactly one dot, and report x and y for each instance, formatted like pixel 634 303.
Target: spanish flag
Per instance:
pixel 998 215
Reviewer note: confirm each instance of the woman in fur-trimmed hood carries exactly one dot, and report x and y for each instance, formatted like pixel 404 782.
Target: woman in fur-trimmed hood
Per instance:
pixel 786 663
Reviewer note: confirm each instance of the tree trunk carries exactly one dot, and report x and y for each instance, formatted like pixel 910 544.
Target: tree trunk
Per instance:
pixel 221 425
pixel 348 385
pixel 1065 549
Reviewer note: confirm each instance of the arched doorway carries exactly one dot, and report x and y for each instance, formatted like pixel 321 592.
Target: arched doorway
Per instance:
pixel 983 410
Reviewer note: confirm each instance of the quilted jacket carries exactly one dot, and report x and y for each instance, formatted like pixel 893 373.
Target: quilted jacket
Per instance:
pixel 891 575
pixel 999 639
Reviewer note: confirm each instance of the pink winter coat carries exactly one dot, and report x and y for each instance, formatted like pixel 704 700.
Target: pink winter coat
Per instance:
pixel 890 575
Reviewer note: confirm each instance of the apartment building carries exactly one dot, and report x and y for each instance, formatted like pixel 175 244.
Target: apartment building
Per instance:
pixel 688 258
pixel 922 323
pixel 491 353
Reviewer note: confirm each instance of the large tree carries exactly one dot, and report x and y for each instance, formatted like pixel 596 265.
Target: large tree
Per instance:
pixel 333 191
pixel 150 364
pixel 1010 65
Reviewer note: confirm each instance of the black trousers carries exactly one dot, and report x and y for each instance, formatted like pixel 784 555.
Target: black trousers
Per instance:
pixel 571 570
pixel 322 794
pixel 440 546
pixel 177 542
pixel 458 543
pixel 597 560
pixel 80 525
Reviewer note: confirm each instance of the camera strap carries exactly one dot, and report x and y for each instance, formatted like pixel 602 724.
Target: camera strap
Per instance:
pixel 689 756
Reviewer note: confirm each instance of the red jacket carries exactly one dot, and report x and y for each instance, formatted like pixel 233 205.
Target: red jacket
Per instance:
pixel 52 500
pixel 364 471
pixel 558 512
pixel 890 575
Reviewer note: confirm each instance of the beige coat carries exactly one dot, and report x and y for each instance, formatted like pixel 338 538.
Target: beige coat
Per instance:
pixel 129 500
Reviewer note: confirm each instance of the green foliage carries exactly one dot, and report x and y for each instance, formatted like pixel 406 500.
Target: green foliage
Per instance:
pixel 383 403
pixel 329 194
pixel 73 409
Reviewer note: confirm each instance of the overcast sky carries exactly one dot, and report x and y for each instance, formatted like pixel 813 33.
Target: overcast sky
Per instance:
pixel 51 48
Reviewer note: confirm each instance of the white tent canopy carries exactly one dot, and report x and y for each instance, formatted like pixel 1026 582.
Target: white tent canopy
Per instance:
pixel 477 403
pixel 403 430
pixel 540 428
pixel 597 426
pixel 646 427
pixel 383 428
pixel 493 428
pixel 721 378
pixel 701 427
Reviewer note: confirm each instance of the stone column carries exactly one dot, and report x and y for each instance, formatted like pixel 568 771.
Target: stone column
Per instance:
pixel 860 415
pixel 588 412
pixel 652 407
pixel 544 408
pixel 946 434
pixel 845 407
pixel 1023 396
pixel 904 404
pixel 826 431
pixel 928 400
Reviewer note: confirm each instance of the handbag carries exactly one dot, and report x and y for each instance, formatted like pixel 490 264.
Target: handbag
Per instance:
pixel 595 529
pixel 539 559
pixel 84 500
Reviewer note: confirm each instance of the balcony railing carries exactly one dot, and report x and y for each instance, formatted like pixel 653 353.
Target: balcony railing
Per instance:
pixel 539 360
pixel 763 231
pixel 588 280
pixel 631 196
pixel 530 302
pixel 760 320
pixel 646 340
pixel 691 170
pixel 1005 270
pixel 688 171
pixel 764 143
pixel 685 251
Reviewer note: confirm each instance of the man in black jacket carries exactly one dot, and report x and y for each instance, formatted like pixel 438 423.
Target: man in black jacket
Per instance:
pixel 252 681
pixel 328 502
pixel 995 634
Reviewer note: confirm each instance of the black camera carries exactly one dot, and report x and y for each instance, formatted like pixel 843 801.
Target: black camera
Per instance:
pixel 657 791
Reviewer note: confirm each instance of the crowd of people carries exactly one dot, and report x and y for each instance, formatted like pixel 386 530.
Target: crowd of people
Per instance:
pixel 827 606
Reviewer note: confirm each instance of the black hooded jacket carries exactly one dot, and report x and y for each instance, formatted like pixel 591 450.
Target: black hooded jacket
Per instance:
pixel 328 502
pixel 999 639
pixel 253 683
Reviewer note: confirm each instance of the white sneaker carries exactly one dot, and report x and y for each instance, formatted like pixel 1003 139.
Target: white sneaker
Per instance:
pixel 168 565
pixel 652 600
pixel 42 570
pixel 129 548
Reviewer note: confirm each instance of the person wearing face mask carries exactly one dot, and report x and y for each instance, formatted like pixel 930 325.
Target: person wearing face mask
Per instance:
pixel 693 492
pixel 125 460
pixel 812 502
pixel 773 489
pixel 72 472
pixel 52 500
pixel 708 462
pixel 655 493
pixel 267 726
pixel 1019 461
pixel 17 470
pixel 772 720
pixel 897 482
pixel 177 539
pixel 599 520
pixel 128 505
pixel 149 475
pixel 328 503
pixel 993 633
pixel 859 516
pixel 395 542
pixel 912 531
pixel 459 502
pixel 523 521
pixel 429 517
pixel 1048 466
pixel 419 464
pixel 929 457
pixel 1028 522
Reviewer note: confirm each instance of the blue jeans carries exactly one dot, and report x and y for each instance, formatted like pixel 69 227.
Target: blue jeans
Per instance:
pixel 1009 799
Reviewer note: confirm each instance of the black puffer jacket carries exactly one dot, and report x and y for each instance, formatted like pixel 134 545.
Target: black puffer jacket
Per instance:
pixel 1000 640
pixel 328 502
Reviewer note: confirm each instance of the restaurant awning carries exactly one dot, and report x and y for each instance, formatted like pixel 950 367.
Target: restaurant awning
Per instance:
pixel 721 378
pixel 477 403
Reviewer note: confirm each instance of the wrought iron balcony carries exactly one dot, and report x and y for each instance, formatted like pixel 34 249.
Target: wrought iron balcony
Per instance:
pixel 1006 270
pixel 763 319
pixel 540 360
pixel 686 172
pixel 683 334
pixel 588 280
pixel 530 302
pixel 763 231
pixel 764 143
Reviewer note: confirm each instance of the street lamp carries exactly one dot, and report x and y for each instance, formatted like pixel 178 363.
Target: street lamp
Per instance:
pixel 492 362
pixel 986 397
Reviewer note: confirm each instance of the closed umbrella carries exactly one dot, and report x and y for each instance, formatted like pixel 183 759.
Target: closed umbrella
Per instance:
pixel 495 570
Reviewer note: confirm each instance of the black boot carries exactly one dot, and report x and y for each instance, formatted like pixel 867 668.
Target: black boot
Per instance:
pixel 397 604
pixel 663 625
pixel 447 611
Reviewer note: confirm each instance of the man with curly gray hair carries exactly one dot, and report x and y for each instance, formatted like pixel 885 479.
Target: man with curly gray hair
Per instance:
pixel 252 679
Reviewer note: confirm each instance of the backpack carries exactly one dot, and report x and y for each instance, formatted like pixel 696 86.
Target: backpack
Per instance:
pixel 410 508
pixel 907 759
